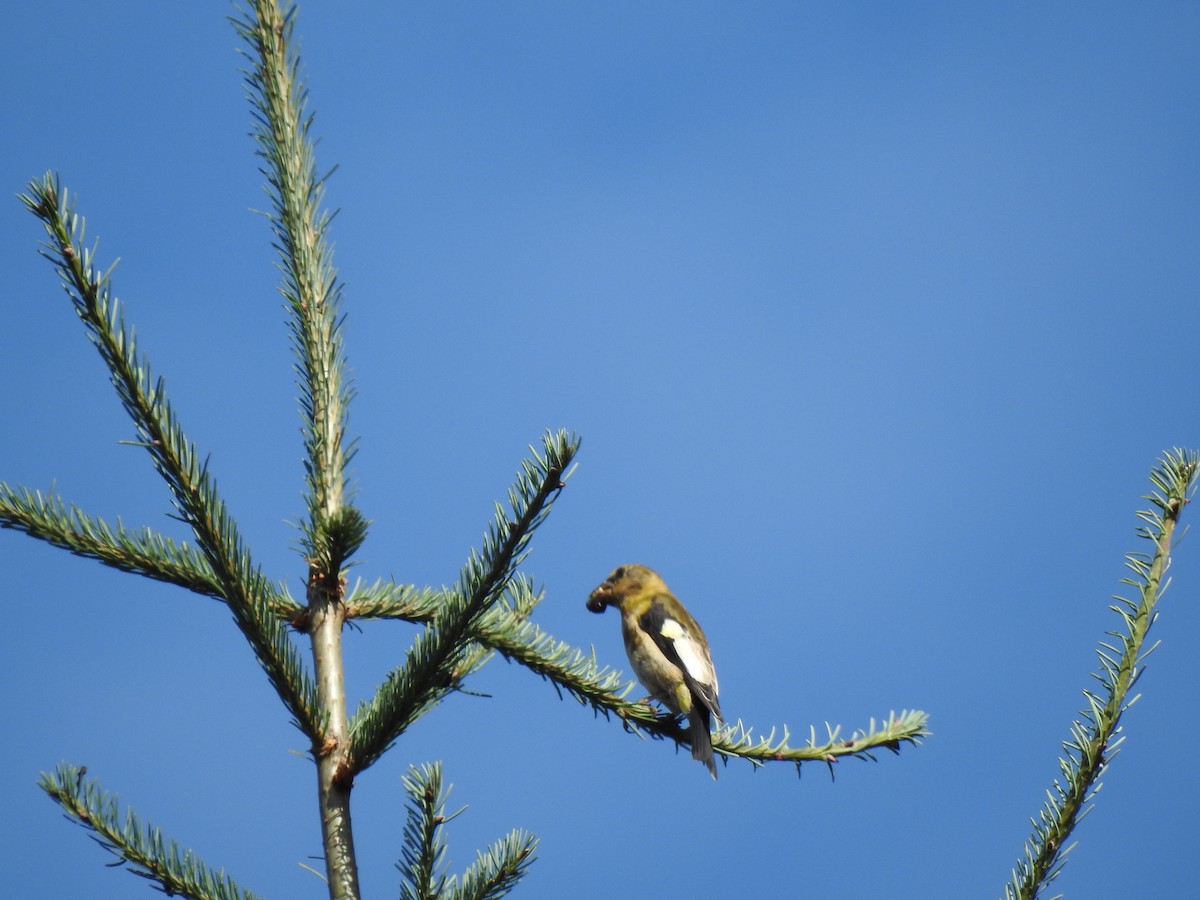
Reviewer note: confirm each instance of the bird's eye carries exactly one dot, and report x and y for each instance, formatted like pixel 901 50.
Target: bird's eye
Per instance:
pixel 620 573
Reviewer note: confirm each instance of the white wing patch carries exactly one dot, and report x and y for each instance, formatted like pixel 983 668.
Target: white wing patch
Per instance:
pixel 695 661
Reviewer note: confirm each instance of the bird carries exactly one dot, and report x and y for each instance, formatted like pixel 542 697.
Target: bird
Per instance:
pixel 667 650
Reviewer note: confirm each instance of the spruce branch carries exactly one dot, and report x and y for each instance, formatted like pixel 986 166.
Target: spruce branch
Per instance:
pixel 282 133
pixel 507 630
pixel 498 869
pixel 243 587
pixel 736 740
pixel 606 691
pixel 1095 737
pixel 143 847
pixel 333 530
pixel 388 600
pixel 441 656
pixel 424 854
pixel 495 872
pixel 47 517
pixel 565 666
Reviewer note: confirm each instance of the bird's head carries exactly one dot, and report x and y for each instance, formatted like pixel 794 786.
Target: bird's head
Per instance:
pixel 625 581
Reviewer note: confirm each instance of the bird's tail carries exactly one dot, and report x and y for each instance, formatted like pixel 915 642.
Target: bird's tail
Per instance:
pixel 702 741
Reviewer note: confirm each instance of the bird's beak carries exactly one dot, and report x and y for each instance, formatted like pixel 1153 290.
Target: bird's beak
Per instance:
pixel 597 600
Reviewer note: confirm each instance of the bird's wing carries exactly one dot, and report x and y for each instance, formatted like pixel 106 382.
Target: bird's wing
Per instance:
pixel 685 648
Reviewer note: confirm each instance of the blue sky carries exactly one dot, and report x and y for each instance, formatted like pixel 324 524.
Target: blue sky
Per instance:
pixel 873 321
